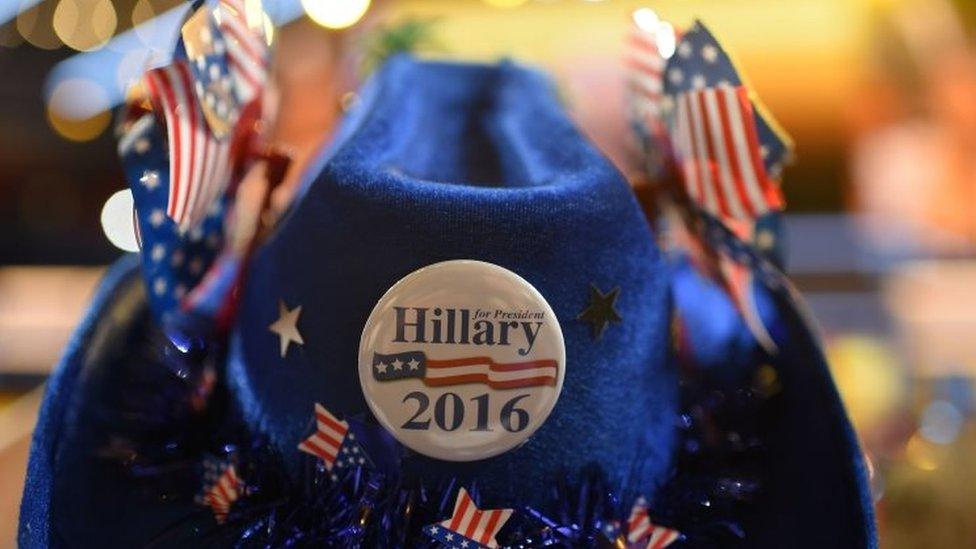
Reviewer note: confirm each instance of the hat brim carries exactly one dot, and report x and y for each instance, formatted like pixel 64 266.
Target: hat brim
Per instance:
pixel 815 493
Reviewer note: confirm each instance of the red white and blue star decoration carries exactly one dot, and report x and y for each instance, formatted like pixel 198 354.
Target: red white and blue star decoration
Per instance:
pixel 642 532
pixel 469 527
pixel 185 148
pixel 334 444
pixel 222 487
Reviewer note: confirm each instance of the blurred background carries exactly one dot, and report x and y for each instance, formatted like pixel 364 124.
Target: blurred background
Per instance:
pixel 879 95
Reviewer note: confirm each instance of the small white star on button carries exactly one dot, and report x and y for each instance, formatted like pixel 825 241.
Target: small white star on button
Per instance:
pixel 448 537
pixel 698 81
pixel 684 50
pixel 287 327
pixel 676 76
pixel 381 367
pixel 398 364
pixel 413 364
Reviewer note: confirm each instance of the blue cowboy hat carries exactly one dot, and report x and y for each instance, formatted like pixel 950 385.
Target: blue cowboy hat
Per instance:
pixel 458 191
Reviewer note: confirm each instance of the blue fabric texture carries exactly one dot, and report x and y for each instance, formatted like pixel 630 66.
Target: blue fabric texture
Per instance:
pixel 449 161
pixel 439 162
pixel 816 473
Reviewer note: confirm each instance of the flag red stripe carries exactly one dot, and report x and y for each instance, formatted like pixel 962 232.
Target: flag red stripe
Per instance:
pixel 710 159
pixel 326 419
pixel 643 66
pixel 193 185
pixel 459 512
pixel 243 71
pixel 483 378
pixel 243 39
pixel 641 41
pixel 159 86
pixel 771 192
pixel 495 366
pixel 472 524
pixel 491 527
pixel 729 141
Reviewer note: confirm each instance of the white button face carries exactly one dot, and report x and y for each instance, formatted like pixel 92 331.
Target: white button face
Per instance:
pixel 462 360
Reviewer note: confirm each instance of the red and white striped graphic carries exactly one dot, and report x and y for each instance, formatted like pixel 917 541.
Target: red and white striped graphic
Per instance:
pixel 222 494
pixel 718 151
pixel 645 71
pixel 482 369
pixel 640 527
pixel 199 164
pixel 242 23
pixel 326 442
pixel 480 526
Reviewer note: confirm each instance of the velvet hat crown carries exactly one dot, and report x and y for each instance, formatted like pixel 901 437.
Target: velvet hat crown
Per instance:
pixel 445 162
pixel 463 257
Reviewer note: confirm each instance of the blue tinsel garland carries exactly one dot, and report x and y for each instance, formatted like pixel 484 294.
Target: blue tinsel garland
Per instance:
pixel 173 419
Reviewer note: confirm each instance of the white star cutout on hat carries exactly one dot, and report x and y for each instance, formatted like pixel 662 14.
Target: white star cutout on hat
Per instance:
pixel 287 327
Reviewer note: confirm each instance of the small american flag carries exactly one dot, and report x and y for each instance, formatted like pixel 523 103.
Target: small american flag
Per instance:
pixel 458 371
pixel 242 23
pixel 645 86
pixel 718 150
pixel 222 487
pixel 199 163
pixel 700 62
pixel 183 158
pixel 640 528
pixel 469 527
pixel 333 443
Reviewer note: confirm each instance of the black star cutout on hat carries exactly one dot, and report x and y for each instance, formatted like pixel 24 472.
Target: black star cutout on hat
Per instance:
pixel 601 310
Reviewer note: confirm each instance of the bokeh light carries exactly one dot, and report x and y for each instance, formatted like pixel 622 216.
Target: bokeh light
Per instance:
pixel 336 14
pixel 921 454
pixel 143 20
pixel 68 116
pixel 941 422
pixel 85 24
pixel 118 221
pixel 664 34
pixel 36 26
pixel 869 377
pixel 505 3
pixel 9 37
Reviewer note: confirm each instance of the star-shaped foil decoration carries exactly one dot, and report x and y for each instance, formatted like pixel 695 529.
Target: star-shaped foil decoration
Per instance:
pixel 601 310
pixel 286 327
pixel 469 526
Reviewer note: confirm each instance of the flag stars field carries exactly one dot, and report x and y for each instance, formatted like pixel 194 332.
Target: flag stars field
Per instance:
pixel 150 178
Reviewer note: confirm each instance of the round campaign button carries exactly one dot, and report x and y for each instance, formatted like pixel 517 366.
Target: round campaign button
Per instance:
pixel 462 360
